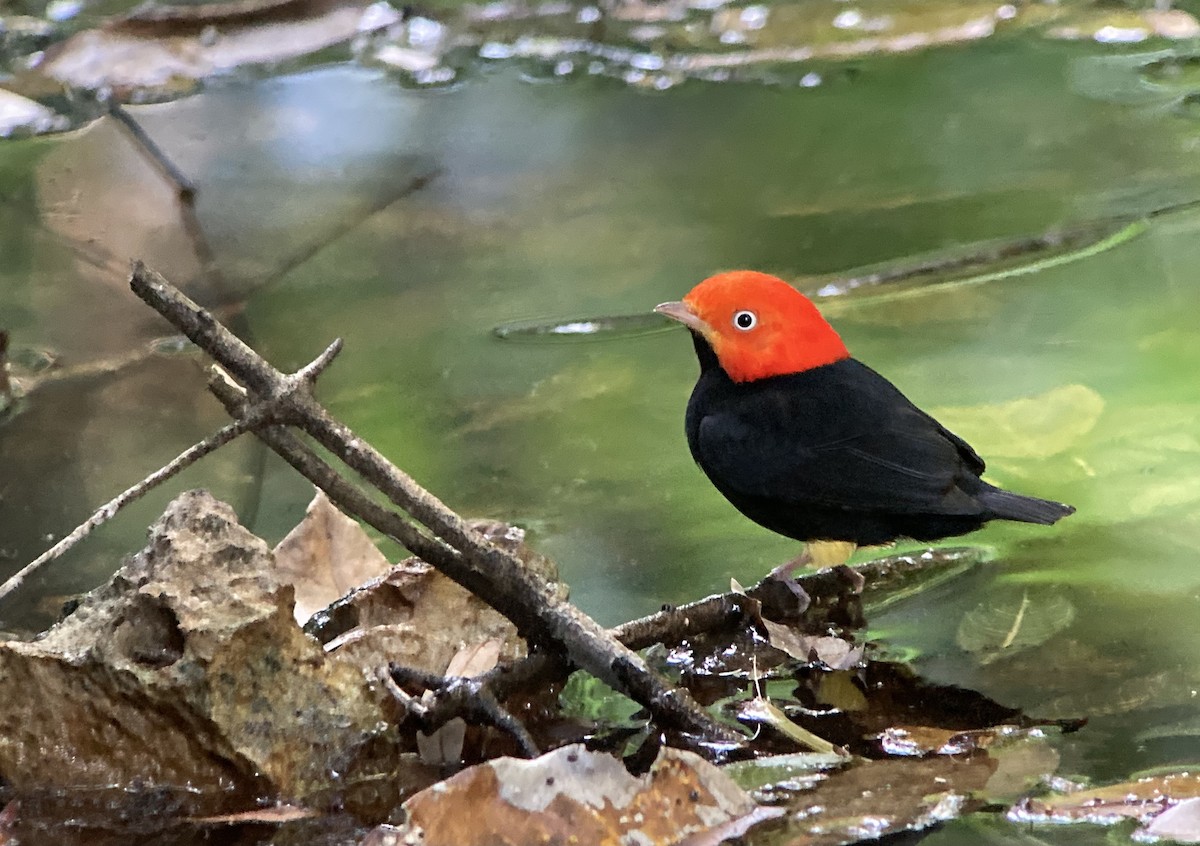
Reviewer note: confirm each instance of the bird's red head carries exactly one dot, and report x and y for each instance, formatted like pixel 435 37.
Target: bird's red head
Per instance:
pixel 758 325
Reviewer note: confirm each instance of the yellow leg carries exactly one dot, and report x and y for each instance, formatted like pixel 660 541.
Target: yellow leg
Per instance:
pixel 823 554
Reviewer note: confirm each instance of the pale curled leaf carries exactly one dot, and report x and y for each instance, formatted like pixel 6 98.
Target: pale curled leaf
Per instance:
pixel 471 661
pixel 326 556
pixel 760 710
pixel 445 745
pixel 270 815
pixel 417 617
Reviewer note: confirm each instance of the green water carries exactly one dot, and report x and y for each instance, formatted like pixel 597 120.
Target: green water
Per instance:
pixel 561 200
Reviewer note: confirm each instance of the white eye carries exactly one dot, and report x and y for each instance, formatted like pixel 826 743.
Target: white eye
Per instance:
pixel 745 320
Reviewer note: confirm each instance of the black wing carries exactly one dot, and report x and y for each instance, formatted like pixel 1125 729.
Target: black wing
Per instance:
pixel 839 435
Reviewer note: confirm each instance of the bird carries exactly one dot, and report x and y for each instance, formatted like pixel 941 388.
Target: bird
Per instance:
pixel 811 443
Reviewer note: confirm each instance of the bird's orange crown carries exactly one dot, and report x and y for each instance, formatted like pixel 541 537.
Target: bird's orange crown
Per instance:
pixel 758 325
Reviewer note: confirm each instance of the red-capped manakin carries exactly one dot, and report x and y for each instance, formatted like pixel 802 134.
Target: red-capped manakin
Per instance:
pixel 813 444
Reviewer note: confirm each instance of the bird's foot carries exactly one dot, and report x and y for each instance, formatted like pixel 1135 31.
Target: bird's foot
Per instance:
pixel 785 570
pixel 784 574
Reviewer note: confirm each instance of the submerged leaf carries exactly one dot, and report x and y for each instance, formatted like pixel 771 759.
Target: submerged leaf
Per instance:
pixel 166 55
pixel 1029 427
pixel 919 741
pixel 1006 626
pixel 611 327
pixel 1143 800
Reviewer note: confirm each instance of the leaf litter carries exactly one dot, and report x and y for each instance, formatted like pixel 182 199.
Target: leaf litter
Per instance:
pixel 896 752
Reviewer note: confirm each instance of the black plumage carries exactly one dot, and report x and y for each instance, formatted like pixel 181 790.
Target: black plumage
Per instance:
pixel 837 452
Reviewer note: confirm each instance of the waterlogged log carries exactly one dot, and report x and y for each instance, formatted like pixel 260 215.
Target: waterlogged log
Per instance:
pixel 186 675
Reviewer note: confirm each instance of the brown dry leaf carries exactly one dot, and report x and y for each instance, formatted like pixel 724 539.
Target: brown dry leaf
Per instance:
pixel 168 55
pixel 445 745
pixel 471 661
pixel 1143 800
pixel 8 821
pixel 834 652
pixel 572 795
pixel 326 556
pixel 417 617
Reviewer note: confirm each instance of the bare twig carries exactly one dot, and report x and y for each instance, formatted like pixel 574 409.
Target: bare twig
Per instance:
pixel 470 698
pixel 492 574
pixel 184 187
pixel 110 509
pixel 6 391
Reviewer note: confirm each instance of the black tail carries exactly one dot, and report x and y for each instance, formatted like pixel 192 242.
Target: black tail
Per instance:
pixel 1026 509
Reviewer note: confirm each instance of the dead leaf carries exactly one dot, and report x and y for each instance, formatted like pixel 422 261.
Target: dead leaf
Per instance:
pixel 445 745
pixel 1180 823
pixel 1006 625
pixel 834 652
pixel 419 618
pixel 8 821
pixel 471 661
pixel 1142 800
pixel 273 815
pixel 325 557
pixel 874 799
pixel 572 795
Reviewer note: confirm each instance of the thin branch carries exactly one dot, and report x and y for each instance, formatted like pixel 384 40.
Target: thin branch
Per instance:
pixel 109 510
pixel 6 391
pixel 184 187
pixel 469 698
pixel 494 575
